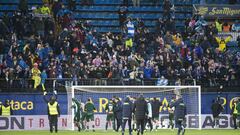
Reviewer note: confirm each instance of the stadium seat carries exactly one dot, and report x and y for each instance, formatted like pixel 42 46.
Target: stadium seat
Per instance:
pixel 9 1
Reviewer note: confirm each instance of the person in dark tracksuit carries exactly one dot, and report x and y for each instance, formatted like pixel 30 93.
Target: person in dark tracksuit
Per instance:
pixel 156 104
pixel 127 115
pixel 179 114
pixel 118 113
pixel 53 110
pixel 140 110
pixel 216 110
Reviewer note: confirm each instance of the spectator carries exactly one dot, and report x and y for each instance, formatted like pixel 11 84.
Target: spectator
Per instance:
pixel 222 43
pixel 43 79
pixel 236 26
pixel 36 75
pixel 45 9
pixel 226 27
pixel 87 2
pixel 23 6
pixel 72 5
pixel 122 16
pixel 167 5
pixel 218 25
pixel 97 61
pixel 55 8
pixel 238 40
pixel 162 81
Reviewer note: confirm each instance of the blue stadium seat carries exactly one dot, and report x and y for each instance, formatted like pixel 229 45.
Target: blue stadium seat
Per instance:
pixel 8 7
pixel 232 44
pixel 97 8
pixel 35 2
pixel 9 1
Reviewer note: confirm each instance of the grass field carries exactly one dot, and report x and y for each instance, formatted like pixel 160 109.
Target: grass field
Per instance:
pixel 161 132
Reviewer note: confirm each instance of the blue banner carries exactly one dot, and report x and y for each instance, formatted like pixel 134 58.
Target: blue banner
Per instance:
pixel 33 104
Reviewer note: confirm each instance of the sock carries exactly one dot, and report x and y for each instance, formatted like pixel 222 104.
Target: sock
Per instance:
pixel 179 131
pixel 106 127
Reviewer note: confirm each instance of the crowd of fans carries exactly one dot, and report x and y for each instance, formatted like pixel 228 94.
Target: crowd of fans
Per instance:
pixel 49 43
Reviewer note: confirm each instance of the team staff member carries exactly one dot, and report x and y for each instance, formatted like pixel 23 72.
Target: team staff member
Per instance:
pixel 127 115
pixel 6 109
pixel 179 114
pixel 155 112
pixel 118 112
pixel 216 110
pixel 140 110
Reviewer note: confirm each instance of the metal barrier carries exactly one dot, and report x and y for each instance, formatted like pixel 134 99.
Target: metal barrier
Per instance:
pixel 26 85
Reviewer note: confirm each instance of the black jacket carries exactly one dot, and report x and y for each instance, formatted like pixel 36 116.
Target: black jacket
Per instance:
pixel 127 109
pixel 216 109
pixel 118 110
pixel 180 109
pixel 155 107
pixel 140 108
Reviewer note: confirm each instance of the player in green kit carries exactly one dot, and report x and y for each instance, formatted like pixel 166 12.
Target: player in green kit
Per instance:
pixel 89 113
pixel 110 115
pixel 79 115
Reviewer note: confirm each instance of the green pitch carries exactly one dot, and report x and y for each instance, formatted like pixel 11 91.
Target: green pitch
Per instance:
pixel 160 132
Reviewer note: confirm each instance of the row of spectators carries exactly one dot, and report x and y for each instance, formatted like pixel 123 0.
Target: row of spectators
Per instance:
pixel 40 47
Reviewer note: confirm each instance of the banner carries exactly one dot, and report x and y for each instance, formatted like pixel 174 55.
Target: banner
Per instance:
pixel 40 122
pixel 33 104
pixel 218 11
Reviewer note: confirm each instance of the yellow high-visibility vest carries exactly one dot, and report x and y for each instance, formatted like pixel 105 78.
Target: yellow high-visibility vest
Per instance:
pixel 53 108
pixel 235 111
pixel 6 111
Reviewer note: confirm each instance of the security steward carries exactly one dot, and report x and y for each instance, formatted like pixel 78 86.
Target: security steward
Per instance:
pixel 234 113
pixel 53 114
pixel 6 109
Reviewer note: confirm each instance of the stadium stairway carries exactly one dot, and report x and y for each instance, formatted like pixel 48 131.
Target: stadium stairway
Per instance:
pixel 103 14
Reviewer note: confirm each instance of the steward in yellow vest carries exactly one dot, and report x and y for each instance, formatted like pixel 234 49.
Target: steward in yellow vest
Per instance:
pixel 53 113
pixel 234 113
pixel 5 110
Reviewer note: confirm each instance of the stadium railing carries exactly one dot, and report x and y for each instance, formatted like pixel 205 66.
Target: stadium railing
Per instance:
pixel 26 85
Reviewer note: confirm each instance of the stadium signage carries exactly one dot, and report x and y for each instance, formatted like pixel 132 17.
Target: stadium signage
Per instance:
pixel 40 122
pixel 218 11
pixel 23 105
pixel 35 105
pixel 32 122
